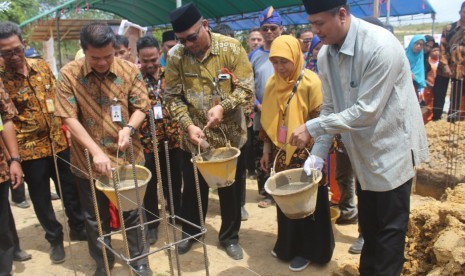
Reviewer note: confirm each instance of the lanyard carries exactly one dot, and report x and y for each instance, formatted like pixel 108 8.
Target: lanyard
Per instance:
pixel 156 92
pixel 294 89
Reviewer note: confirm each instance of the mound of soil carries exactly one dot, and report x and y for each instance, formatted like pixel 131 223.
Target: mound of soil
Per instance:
pixel 435 242
pixel 446 165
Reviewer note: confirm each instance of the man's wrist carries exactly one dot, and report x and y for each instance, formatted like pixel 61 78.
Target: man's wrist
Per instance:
pixel 132 130
pixel 14 159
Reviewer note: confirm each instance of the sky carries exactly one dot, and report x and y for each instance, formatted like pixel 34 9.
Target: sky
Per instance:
pixel 446 10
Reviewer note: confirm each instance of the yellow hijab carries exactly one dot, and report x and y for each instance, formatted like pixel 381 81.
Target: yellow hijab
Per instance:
pixel 307 98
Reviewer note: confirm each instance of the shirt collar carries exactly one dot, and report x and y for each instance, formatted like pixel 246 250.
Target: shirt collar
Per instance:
pixel 88 70
pixel 31 65
pixel 348 47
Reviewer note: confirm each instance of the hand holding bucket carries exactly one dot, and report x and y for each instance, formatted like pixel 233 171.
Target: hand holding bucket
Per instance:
pixel 294 191
pixel 218 166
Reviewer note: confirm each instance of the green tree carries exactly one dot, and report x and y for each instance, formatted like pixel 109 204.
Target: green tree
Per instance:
pixel 18 10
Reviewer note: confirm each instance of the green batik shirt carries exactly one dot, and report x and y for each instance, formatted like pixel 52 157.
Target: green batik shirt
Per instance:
pixel 193 87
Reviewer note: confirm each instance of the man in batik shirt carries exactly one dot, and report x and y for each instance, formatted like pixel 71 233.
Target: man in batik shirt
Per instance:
pixel 102 101
pixel 208 80
pixel 166 129
pixel 31 86
pixel 9 175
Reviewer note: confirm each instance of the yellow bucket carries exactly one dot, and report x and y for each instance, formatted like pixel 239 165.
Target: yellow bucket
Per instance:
pixel 218 166
pixel 294 191
pixel 126 186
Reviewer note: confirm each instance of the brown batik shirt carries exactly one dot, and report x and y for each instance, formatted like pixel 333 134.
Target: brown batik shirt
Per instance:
pixel 166 128
pixel 453 50
pixel 36 126
pixel 82 95
pixel 193 87
pixel 8 112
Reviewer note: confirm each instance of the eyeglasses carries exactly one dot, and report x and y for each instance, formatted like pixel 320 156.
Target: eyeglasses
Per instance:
pixel 269 28
pixel 11 53
pixel 306 41
pixel 191 38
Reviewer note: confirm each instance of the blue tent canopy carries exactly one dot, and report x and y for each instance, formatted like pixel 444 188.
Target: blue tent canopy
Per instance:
pixel 296 15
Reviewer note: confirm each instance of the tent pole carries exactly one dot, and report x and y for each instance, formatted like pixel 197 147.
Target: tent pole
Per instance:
pixel 433 16
pixel 59 40
pixel 388 11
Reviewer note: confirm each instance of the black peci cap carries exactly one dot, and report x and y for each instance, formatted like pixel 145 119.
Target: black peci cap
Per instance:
pixel 317 6
pixel 184 17
pixel 167 36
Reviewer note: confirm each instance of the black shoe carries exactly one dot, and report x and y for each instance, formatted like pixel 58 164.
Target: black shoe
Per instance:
pixel 21 256
pixel 244 214
pixel 101 271
pixel 142 270
pixel 153 236
pixel 346 221
pixel 57 254
pixel 185 246
pixel 76 235
pixel 357 246
pixel 234 251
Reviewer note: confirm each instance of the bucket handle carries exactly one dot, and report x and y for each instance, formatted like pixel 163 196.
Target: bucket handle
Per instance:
pixel 228 144
pixel 272 171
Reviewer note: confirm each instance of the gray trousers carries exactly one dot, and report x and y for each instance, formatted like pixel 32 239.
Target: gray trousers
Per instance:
pixel 346 183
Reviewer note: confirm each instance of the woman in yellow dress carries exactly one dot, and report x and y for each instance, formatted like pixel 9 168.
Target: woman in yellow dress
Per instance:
pixel 293 96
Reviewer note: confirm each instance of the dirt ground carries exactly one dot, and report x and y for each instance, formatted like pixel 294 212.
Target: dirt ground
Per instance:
pixel 435 242
pixel 257 238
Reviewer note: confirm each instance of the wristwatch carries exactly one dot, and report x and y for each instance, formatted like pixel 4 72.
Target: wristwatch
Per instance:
pixel 133 130
pixel 16 159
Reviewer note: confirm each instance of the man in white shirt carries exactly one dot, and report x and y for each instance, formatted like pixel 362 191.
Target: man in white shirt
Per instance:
pixel 367 98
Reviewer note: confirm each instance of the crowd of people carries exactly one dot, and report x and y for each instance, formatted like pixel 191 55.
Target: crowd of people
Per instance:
pixel 345 85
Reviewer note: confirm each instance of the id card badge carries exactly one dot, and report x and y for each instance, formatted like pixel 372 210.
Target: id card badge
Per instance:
pixel 158 111
pixel 216 99
pixel 50 106
pixel 116 115
pixel 282 134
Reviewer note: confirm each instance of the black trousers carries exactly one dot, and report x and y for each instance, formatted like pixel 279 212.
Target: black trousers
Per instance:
pixel 456 94
pixel 131 218
pixel 151 194
pixel 7 240
pixel 69 190
pixel 262 176
pixel 18 195
pixel 37 174
pixel 250 151
pixel 439 90
pixel 229 203
pixel 241 174
pixel 383 220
